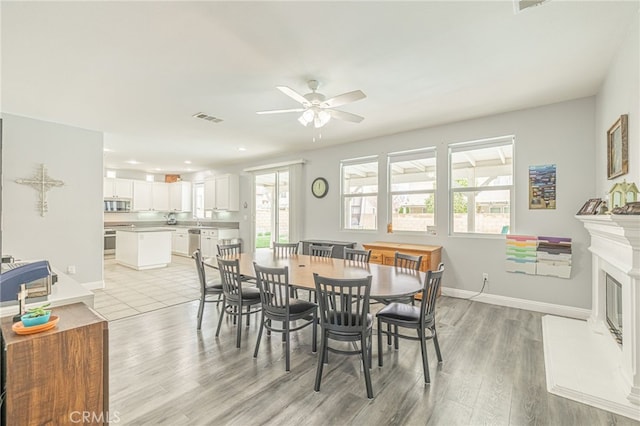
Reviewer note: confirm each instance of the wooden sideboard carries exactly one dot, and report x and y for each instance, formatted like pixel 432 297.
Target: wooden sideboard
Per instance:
pixel 384 253
pixel 55 376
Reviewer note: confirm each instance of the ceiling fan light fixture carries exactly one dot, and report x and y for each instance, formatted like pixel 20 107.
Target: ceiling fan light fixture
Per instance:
pixel 322 118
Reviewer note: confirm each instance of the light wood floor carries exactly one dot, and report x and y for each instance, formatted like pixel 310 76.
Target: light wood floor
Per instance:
pixel 164 372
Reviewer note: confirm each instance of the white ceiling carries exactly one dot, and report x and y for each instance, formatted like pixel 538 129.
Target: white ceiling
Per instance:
pixel 138 71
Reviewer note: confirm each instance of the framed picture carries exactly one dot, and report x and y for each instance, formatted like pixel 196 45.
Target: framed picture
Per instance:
pixel 590 207
pixel 618 148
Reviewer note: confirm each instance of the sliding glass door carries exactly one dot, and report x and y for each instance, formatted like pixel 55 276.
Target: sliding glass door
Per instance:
pixel 272 210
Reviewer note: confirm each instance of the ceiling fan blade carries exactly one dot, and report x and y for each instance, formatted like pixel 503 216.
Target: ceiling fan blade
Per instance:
pixel 344 116
pixel 278 111
pixel 345 98
pixel 293 95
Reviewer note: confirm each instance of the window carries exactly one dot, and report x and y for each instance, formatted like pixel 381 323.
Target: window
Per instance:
pixel 198 200
pixel 412 185
pixel 359 193
pixel 481 186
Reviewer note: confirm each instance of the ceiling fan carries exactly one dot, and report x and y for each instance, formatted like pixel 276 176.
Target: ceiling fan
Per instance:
pixel 316 108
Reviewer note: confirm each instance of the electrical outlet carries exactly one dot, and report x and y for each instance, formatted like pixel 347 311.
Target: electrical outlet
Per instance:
pixel 485 276
pixel 71 269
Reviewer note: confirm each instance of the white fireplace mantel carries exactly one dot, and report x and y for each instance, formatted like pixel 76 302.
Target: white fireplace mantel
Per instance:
pixel 583 360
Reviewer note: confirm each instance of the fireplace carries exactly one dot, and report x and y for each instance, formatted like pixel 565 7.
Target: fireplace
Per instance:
pixel 614 307
pixel 583 361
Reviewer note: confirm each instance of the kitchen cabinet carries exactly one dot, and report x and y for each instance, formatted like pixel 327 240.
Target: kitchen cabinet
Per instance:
pixel 180 242
pixel 149 196
pixel 117 188
pixel 180 197
pixel 49 376
pixel 209 242
pixel 143 248
pixel 222 193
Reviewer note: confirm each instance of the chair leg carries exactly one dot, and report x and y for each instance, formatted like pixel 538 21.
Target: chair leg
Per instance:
pixel 239 327
pixel 287 346
pixel 248 314
pixel 284 326
pixel 379 342
pixel 365 366
pixel 425 361
pixel 224 307
pixel 436 344
pixel 200 311
pixel 219 299
pixel 323 345
pixel 255 352
pixel 388 334
pixel 396 339
pixel 314 343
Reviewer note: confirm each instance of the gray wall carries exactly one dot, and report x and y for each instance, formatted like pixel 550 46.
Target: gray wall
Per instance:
pixel 71 232
pixel 561 134
pixel 620 94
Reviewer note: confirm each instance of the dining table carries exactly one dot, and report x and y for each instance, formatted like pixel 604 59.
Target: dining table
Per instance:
pixel 386 281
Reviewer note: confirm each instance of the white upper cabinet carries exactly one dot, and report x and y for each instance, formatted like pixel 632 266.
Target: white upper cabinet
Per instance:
pixel 222 193
pixel 160 197
pixel 180 196
pixel 152 196
pixel 117 188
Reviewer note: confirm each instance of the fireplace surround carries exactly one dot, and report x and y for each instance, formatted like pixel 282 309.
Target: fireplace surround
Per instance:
pixel 613 301
pixel 583 360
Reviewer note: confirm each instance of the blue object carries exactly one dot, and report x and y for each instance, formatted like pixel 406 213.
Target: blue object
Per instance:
pixel 29 321
pixel 11 280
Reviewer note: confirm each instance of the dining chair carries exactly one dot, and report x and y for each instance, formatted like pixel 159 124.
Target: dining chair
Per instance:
pixel 229 249
pixel 422 319
pixel 357 255
pixel 206 288
pixel 344 317
pixel 279 306
pixel 285 249
pixel 407 261
pixel 320 251
pixel 236 296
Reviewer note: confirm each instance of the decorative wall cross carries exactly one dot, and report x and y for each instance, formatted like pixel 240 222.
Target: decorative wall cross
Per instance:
pixel 42 183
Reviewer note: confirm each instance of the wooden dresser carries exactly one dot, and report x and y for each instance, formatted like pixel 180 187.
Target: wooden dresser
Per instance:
pixel 54 376
pixel 384 253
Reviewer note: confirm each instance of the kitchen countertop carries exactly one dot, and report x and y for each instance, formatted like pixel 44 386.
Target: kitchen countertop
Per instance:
pixel 145 229
pixel 122 226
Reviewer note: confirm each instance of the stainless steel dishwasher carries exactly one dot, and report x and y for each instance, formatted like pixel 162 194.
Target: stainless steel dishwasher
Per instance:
pixel 194 240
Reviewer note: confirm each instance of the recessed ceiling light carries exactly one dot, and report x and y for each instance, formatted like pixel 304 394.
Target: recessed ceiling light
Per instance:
pixel 132 162
pixel 107 149
pixel 242 148
pixel 187 161
pixel 157 169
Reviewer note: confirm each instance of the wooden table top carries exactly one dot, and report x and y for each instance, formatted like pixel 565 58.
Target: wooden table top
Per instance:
pixel 386 281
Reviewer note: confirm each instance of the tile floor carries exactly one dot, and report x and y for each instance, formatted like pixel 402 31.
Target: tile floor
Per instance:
pixel 129 292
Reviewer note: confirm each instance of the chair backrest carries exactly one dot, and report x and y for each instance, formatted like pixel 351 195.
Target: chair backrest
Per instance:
pixel 407 261
pixel 357 255
pixel 343 303
pixel 320 251
pixel 432 283
pixel 197 255
pixel 273 284
pixel 285 249
pixel 230 277
pixel 229 249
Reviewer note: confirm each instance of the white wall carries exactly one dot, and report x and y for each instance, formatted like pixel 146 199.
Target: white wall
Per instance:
pixel 561 134
pixel 71 232
pixel 620 94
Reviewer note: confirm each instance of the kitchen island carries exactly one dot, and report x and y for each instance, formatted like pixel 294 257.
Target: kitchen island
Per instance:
pixel 143 248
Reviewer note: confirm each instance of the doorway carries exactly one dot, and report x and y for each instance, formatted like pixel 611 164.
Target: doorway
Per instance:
pixel 272 208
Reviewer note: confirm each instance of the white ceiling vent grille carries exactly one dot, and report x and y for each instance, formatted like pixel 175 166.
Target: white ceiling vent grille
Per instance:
pixel 520 5
pixel 207 117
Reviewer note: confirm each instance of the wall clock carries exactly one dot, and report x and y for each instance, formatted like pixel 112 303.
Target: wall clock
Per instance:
pixel 319 187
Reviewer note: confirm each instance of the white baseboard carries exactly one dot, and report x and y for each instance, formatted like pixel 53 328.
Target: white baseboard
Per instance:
pixel 93 285
pixel 512 302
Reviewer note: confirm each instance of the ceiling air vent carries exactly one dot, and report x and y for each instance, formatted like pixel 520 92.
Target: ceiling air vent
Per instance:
pixel 520 5
pixel 207 117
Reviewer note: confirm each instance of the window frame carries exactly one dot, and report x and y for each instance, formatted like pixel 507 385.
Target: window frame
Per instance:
pixel 344 197
pixel 421 153
pixel 473 145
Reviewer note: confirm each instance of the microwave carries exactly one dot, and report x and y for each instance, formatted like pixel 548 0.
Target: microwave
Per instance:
pixel 117 205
